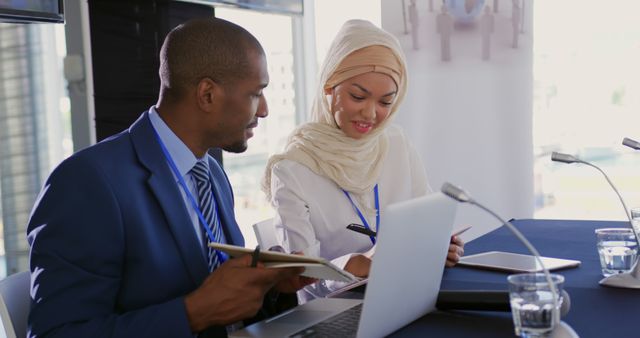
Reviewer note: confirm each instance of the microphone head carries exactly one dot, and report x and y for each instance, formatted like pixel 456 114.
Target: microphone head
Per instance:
pixel 455 192
pixel 631 143
pixel 564 158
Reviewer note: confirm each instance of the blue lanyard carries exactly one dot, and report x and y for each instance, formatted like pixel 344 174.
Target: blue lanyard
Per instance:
pixel 221 257
pixel 364 220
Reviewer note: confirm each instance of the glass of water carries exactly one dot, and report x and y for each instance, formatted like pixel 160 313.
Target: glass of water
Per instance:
pixel 532 303
pixel 635 219
pixel 618 250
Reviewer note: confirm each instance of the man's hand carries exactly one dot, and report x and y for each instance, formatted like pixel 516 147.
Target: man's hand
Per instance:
pixel 456 250
pixel 358 265
pixel 234 291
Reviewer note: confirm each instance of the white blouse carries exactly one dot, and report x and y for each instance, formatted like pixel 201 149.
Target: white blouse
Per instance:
pixel 312 212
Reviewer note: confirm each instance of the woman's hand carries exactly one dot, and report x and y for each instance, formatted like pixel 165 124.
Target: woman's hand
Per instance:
pixel 358 265
pixel 456 250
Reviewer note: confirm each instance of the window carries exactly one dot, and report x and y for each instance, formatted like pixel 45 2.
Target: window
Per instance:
pixel 246 170
pixel 331 14
pixel 34 127
pixel 586 99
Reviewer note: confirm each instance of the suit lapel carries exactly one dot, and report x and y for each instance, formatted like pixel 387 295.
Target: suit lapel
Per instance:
pixel 162 184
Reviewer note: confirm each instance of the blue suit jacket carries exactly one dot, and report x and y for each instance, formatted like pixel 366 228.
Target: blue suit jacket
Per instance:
pixel 113 250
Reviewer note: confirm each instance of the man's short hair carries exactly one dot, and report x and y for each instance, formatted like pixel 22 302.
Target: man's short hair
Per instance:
pixel 201 48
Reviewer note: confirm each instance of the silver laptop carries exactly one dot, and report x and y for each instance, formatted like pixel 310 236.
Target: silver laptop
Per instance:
pixel 403 283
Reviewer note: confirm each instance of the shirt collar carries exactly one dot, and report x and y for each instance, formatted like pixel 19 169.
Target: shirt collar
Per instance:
pixel 180 153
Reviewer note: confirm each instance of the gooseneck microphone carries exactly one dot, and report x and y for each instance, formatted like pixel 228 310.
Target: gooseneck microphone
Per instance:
pixel 566 158
pixel 460 195
pixel 629 279
pixel 631 143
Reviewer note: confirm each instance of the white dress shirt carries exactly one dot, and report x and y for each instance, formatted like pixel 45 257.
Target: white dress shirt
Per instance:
pixel 312 212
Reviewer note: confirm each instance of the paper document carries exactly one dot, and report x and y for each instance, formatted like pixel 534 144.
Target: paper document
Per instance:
pixel 315 267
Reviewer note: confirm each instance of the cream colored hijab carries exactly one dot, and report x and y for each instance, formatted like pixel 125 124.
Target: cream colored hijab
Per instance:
pixel 353 164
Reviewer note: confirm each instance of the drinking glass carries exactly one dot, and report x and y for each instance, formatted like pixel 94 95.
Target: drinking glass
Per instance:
pixel 618 250
pixel 532 308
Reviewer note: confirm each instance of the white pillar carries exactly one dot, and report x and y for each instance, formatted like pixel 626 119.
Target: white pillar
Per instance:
pixel 471 120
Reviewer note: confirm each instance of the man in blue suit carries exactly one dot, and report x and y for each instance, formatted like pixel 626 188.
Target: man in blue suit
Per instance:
pixel 117 241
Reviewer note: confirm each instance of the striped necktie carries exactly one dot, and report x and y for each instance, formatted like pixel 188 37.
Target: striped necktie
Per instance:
pixel 208 207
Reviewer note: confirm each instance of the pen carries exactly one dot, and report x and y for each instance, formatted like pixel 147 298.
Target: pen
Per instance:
pixel 461 231
pixel 361 229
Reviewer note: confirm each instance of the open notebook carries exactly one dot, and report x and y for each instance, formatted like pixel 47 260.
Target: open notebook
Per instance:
pixel 315 267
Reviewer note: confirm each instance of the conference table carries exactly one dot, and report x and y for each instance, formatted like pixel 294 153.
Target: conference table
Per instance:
pixel 596 311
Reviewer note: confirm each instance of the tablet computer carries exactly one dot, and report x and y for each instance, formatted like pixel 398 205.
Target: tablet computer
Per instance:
pixel 506 261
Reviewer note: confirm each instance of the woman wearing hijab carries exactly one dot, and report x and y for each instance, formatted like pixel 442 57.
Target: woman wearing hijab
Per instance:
pixel 349 162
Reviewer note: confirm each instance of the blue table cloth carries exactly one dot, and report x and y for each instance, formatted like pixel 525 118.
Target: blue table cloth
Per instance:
pixel 596 311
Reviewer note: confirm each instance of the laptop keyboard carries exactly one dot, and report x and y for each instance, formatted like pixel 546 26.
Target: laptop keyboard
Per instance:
pixel 344 324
